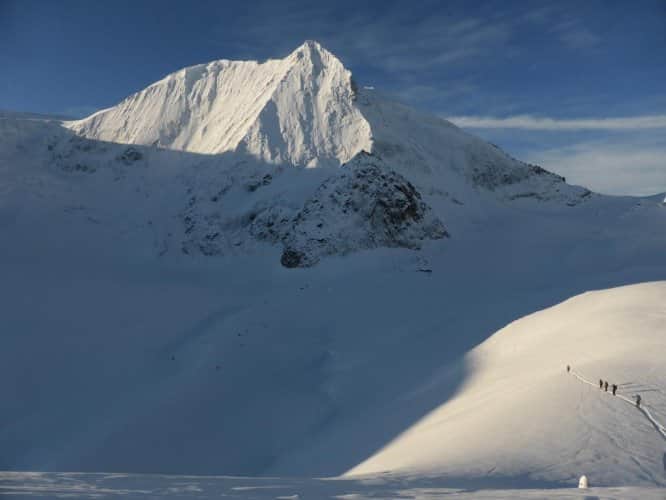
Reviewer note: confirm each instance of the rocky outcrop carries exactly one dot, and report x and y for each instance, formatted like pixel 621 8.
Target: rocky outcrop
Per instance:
pixel 366 206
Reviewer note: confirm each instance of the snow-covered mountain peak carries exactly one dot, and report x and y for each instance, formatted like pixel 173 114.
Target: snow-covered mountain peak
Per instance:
pixel 298 110
pixel 315 58
pixel 313 50
pixel 305 110
pixel 257 120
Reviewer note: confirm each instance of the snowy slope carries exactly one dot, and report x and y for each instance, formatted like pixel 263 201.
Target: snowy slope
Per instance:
pixel 519 412
pixel 449 163
pixel 226 204
pixel 114 358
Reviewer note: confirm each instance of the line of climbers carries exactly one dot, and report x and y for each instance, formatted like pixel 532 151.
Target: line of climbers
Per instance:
pixel 603 384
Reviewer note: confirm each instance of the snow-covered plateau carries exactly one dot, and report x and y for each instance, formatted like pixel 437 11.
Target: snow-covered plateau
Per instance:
pixel 267 270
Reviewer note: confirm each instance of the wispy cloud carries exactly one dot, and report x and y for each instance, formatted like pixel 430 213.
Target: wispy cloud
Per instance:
pixel 620 156
pixel 421 94
pixel 574 35
pixel 607 167
pixel 570 30
pixel 389 38
pixel 529 122
pixel 580 38
pixel 540 14
pixel 79 111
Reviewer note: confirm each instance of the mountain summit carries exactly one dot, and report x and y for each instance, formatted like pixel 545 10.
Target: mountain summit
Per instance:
pixel 297 110
pixel 305 110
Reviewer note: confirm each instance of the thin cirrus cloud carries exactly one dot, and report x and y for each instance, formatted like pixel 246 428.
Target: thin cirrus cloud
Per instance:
pixel 528 122
pixel 574 35
pixel 627 168
pixel 389 39
pixel 619 156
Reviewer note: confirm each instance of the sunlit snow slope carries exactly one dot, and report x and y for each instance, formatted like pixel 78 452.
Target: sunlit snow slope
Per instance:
pixel 520 412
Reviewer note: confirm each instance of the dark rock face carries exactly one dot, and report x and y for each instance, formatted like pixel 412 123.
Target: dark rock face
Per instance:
pixel 512 180
pixel 130 155
pixel 366 206
pixel 76 155
pixel 292 258
pixel 491 176
pixel 201 228
pixel 255 184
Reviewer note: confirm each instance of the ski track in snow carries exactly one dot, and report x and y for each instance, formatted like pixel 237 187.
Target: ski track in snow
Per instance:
pixel 643 408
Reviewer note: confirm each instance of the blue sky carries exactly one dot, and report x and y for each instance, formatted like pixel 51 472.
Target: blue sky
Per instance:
pixel 579 87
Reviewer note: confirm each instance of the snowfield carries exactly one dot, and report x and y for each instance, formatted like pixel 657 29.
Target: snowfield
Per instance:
pixel 259 269
pixel 46 485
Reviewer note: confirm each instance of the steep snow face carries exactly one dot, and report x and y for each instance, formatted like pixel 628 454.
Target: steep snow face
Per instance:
pixel 311 118
pixel 194 109
pixel 298 110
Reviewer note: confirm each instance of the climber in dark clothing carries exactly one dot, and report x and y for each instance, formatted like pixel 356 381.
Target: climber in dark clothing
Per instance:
pixel 568 368
pixel 601 384
pixel 614 389
pixel 606 386
pixel 638 400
